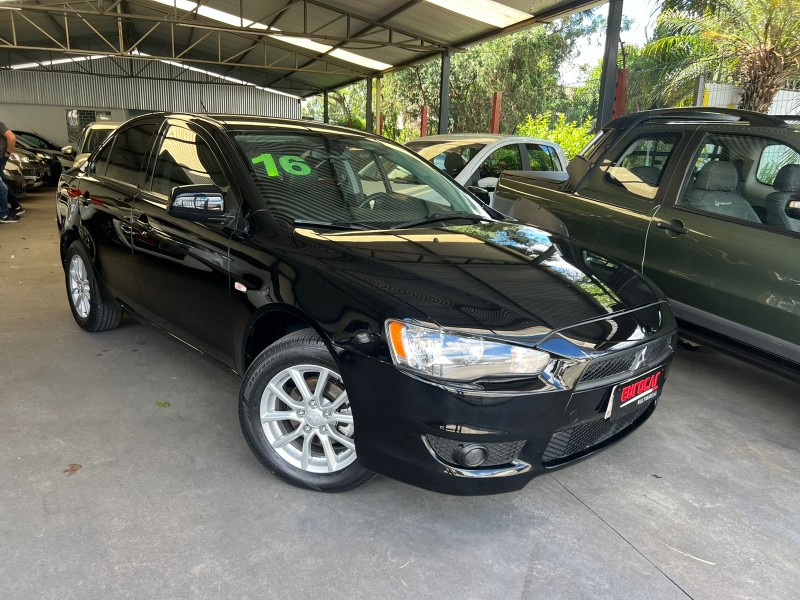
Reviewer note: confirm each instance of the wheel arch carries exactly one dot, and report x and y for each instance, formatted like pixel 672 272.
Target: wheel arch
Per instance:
pixel 271 323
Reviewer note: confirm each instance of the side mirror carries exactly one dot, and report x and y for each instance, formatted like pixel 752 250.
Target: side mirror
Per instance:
pixel 80 160
pixel 480 193
pixel 793 208
pixel 69 150
pixel 201 203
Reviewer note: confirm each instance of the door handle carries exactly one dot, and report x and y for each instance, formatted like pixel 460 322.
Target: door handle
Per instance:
pixel 675 226
pixel 144 223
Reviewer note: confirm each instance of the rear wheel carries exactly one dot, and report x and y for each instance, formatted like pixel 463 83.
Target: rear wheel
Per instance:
pixel 88 308
pixel 296 416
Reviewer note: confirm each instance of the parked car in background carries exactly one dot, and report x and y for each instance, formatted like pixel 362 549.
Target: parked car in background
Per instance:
pixel 50 159
pixel 706 203
pixel 92 136
pixel 31 168
pixel 14 179
pixel 475 160
pixel 410 331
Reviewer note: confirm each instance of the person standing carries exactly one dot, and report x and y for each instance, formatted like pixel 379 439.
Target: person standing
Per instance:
pixel 8 142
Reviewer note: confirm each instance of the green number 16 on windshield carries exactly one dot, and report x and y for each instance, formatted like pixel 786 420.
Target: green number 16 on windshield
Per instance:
pixel 293 165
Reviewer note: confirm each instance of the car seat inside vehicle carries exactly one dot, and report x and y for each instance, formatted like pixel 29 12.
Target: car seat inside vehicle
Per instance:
pixel 787 185
pixel 714 191
pixel 454 163
pixel 649 174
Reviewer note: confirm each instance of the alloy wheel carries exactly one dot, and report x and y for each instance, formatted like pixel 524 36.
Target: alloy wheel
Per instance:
pixel 306 417
pixel 79 288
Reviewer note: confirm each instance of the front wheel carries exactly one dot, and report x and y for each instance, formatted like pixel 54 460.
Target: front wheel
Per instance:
pixel 88 308
pixel 296 417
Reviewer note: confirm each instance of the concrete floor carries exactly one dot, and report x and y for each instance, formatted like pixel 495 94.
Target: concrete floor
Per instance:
pixel 701 502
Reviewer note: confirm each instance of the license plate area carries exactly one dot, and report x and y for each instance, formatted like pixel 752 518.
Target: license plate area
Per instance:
pixel 630 395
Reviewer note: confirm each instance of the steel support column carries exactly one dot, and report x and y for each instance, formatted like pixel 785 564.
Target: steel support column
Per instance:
pixel 369 104
pixel 608 77
pixel 444 94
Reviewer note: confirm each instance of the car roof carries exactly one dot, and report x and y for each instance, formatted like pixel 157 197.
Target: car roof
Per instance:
pixel 104 124
pixel 478 138
pixel 694 115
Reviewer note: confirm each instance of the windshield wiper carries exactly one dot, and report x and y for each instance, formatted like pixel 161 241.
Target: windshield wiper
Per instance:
pixel 345 225
pixel 438 218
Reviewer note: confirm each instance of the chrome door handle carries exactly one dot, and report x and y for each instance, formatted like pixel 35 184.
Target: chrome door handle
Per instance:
pixel 675 226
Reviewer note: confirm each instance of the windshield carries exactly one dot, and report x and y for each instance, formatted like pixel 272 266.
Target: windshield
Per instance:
pixel 348 179
pixel 450 157
pixel 95 137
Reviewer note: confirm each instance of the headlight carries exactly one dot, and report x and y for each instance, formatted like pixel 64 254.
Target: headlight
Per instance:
pixel 41 156
pixel 449 355
pixel 19 157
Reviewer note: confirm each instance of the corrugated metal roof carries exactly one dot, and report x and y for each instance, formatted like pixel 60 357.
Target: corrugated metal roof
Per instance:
pixel 237 38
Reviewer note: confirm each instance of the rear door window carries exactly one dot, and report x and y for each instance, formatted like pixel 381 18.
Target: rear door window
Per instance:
pixel 542 157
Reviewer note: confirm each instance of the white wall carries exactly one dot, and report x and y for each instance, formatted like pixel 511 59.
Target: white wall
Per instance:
pixel 48 121
pixel 787 102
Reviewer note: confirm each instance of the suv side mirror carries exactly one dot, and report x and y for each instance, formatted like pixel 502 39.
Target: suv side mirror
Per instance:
pixel 793 208
pixel 68 150
pixel 201 203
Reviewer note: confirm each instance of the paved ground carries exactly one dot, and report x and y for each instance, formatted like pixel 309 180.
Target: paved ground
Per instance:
pixel 702 502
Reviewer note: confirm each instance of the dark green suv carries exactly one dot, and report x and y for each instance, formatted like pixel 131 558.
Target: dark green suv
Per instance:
pixel 705 202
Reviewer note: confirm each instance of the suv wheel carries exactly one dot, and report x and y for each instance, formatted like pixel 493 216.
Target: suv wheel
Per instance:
pixel 296 416
pixel 88 308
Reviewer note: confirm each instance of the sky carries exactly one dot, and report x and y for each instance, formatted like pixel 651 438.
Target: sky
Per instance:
pixel 590 49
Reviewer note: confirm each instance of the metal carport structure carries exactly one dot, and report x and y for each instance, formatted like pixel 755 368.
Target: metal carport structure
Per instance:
pixel 301 47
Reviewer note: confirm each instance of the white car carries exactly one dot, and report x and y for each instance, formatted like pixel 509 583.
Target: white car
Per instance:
pixel 93 135
pixel 475 160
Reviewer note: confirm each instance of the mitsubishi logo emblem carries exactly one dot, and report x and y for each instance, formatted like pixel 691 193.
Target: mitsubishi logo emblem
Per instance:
pixel 639 359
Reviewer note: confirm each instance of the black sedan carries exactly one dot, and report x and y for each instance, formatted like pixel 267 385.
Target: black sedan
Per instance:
pixel 382 319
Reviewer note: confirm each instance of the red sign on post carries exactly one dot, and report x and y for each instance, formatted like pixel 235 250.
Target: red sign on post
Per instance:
pixel 423 122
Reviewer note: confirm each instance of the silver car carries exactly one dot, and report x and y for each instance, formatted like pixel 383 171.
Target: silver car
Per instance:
pixel 475 160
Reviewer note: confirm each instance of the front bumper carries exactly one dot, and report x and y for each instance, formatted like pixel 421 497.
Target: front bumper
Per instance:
pixel 406 428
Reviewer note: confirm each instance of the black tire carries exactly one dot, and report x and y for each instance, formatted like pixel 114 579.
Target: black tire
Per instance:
pixel 300 348
pixel 101 315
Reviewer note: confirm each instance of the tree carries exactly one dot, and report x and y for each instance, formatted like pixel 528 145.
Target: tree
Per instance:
pixel 756 41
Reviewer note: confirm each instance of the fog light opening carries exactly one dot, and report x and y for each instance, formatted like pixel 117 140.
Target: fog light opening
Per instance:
pixel 471 455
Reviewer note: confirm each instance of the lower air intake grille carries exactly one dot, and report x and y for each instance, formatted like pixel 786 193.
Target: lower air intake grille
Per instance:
pixel 576 440
pixel 500 453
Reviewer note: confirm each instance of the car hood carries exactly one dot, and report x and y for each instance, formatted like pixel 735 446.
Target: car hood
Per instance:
pixel 514 280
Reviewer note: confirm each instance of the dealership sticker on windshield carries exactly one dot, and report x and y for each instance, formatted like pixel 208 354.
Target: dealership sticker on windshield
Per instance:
pixel 631 394
pixel 294 165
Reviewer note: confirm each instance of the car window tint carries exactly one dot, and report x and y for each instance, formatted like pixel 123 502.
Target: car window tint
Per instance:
pixel 506 158
pixel 341 178
pixel 773 158
pixel 542 158
pixel 33 141
pixel 94 137
pixel 128 153
pixel 184 158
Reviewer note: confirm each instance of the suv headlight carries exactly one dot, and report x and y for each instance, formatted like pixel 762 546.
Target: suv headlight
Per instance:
pixel 19 157
pixel 452 356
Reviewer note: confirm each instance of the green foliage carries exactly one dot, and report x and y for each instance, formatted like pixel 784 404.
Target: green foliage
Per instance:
pixel 570 135
pixel 523 66
pixel 755 43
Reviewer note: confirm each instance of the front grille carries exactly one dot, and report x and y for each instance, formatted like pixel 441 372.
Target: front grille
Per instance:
pixel 499 453
pixel 623 362
pixel 582 438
